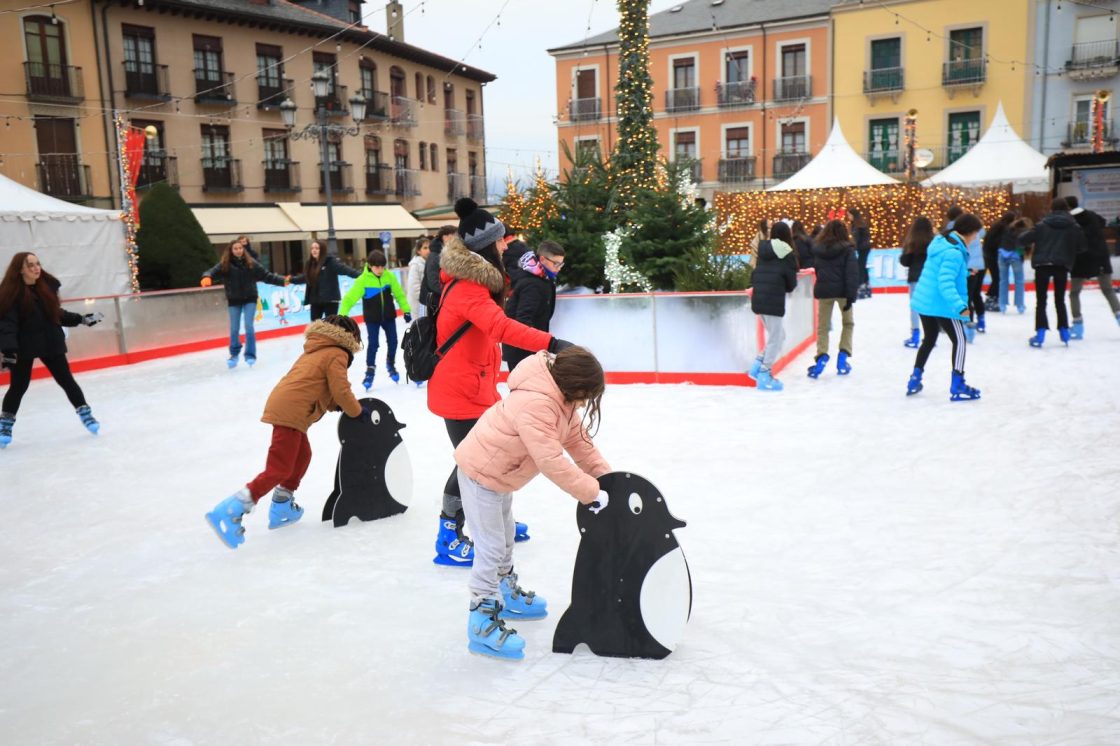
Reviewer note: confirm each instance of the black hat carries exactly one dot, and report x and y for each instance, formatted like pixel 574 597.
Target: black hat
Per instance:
pixel 477 228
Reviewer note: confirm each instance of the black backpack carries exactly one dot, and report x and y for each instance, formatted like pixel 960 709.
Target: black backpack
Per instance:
pixel 419 343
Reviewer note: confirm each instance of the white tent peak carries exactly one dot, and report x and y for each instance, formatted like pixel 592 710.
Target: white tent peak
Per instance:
pixel 24 203
pixel 837 165
pixel 1000 156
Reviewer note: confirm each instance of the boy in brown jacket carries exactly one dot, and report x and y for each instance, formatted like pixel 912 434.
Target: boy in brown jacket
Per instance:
pixel 316 384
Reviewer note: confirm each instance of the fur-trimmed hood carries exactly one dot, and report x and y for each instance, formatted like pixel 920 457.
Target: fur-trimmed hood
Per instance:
pixel 461 263
pixel 320 334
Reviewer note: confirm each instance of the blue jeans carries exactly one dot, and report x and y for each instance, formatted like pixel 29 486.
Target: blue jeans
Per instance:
pixel 236 315
pixel 390 327
pixel 915 322
pixel 1013 261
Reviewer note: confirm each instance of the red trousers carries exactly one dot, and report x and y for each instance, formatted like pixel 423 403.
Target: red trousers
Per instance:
pixel 288 458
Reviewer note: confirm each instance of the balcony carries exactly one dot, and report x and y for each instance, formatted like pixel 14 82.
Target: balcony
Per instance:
pixel 695 168
pixel 213 87
pixel 1079 134
pixel 271 92
pixel 64 176
pixel 887 161
pixel 402 112
pixel 787 163
pixel 335 102
pixel 888 81
pixel 793 88
pixel 1094 59
pixel 964 74
pixel 377 104
pixel 737 93
pixel 583 110
pixel 736 170
pixel 145 81
pixel 478 189
pixel 341 180
pixel 407 184
pixel 50 82
pixel 281 175
pixel 454 123
pixel 457 186
pixel 158 168
pixel 476 131
pixel 221 174
pixel 380 179
pixel 679 100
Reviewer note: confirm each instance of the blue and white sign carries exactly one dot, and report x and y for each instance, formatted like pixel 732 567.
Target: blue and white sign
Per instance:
pixel 385 236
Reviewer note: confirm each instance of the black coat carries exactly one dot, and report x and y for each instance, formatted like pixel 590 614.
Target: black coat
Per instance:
pixel 771 280
pixel 241 280
pixel 1057 239
pixel 511 260
pixel 326 287
pixel 1095 261
pixel 430 287
pixel 804 248
pixel 914 261
pixel 993 239
pixel 837 271
pixel 531 301
pixel 861 235
pixel 33 334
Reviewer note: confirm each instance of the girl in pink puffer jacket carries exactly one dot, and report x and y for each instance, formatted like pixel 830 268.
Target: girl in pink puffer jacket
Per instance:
pixel 521 436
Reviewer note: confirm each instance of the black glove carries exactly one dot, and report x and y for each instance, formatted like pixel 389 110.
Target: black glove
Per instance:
pixel 847 306
pixel 92 318
pixel 408 318
pixel 9 358
pixel 559 345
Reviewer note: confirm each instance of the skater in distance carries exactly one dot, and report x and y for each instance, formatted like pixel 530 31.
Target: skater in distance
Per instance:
pixel 378 290
pixel 321 273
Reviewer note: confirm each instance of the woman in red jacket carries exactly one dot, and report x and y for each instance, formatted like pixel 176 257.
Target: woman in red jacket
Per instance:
pixel 465 383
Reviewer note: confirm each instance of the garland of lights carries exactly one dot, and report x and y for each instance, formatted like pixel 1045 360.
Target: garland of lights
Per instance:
pixel 622 279
pixel 635 154
pixel 121 125
pixel 540 206
pixel 512 211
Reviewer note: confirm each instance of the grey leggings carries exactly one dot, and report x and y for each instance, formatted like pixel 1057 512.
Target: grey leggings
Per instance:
pixel 775 338
pixel 1106 290
pixel 490 515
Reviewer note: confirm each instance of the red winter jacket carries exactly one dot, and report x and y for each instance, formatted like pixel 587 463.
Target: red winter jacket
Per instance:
pixel 465 383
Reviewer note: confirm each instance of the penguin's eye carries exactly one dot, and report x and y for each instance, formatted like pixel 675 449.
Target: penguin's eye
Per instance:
pixel 375 417
pixel 635 503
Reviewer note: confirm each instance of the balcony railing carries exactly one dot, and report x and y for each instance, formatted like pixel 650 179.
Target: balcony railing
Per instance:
pixel 158 168
pixel 379 179
pixel 887 161
pixel 583 109
pixel 342 181
pixel 148 81
pixel 402 112
pixel 377 104
pixel 454 123
pixel 272 92
pixel 964 73
pixel 789 163
pixel 335 102
pixel 281 175
pixel 1094 54
pixel 50 82
pixel 476 130
pixel 736 170
pixel 478 189
pixel 695 168
pixel 793 87
pixel 221 174
pixel 1079 134
pixel 407 184
pixel 64 176
pixel 682 99
pixel 883 80
pixel 211 87
pixel 457 186
pixel 737 93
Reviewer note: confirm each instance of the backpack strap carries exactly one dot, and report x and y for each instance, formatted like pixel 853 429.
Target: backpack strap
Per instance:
pixel 446 346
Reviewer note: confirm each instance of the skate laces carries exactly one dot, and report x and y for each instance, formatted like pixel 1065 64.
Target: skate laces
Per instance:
pixel 516 590
pixel 496 623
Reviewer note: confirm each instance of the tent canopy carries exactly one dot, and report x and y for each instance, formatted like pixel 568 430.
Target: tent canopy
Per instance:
pixel 292 221
pixel 82 246
pixel 837 165
pixel 999 157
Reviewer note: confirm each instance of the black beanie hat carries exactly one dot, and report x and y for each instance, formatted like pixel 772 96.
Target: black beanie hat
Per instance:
pixel 477 228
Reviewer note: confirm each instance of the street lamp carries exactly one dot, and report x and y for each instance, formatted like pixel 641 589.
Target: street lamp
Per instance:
pixel 322 131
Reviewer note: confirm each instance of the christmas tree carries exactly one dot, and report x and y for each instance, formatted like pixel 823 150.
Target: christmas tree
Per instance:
pixel 511 211
pixel 634 160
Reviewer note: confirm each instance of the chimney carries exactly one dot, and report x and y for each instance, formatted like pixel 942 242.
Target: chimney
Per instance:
pixel 394 20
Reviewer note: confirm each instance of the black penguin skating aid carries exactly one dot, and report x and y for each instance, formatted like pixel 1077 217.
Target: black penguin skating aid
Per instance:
pixel 631 588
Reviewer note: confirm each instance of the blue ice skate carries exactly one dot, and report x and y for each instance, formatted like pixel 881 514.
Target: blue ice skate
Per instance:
pixel 285 512
pixel 1063 334
pixel 225 518
pixel 1077 331
pixel 452 548
pixel 818 367
pixel 232 362
pixel 843 368
pixel 367 382
pixel 960 391
pixel 914 340
pixel 250 361
pixel 767 382
pixel 87 419
pixel 970 333
pixel 487 633
pixel 517 603
pixel 7 421
pixel 393 374
pixel 521 532
pixel 914 385
pixel 1038 338
pixel 756 366
pixel 981 324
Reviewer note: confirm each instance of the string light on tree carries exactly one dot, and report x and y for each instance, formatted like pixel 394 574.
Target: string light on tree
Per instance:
pixel 622 278
pixel 634 159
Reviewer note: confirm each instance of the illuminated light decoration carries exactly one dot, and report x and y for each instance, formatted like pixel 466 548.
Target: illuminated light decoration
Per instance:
pixel 1099 103
pixel 634 159
pixel 622 279
pixel 512 210
pixel 129 211
pixel 540 205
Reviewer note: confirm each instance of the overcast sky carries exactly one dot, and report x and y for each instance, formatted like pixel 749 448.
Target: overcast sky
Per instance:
pixel 521 104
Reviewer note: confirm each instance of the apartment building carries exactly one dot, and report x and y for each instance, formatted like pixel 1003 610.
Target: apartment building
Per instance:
pixel 740 89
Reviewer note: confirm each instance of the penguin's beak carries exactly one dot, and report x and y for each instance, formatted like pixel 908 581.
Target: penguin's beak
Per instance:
pixel 401 426
pixel 675 522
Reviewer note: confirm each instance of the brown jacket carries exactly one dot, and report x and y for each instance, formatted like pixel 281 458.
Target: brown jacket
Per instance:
pixel 317 382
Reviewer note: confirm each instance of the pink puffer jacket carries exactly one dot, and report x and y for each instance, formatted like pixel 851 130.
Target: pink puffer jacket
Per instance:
pixel 527 434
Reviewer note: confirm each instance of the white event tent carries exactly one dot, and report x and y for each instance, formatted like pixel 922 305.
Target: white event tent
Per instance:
pixel 83 247
pixel 837 165
pixel 999 157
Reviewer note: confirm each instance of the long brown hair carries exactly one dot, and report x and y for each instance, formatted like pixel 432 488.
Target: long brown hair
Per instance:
pixel 918 237
pixel 834 232
pixel 14 291
pixel 227 257
pixel 311 269
pixel 579 376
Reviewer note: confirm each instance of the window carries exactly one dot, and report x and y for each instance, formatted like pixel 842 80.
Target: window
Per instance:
pixel 217 166
pixel 396 82
pixel 207 59
pixel 886 65
pixel 684 73
pixel 794 61
pixel 324 62
pixel 793 137
pixel 964 131
pixel 400 154
pixel 738 67
pixel 470 102
pixel 153 167
pixel 373 151
pixel 882 144
pixel 355 8
pixel 275 148
pixel 215 142
pixel 684 146
pixel 47 71
pixel 140 60
pixel 1083 126
pixel 448 96
pixel 587 148
pixel 1094 42
pixel 367 73
pixel 423 156
pixel 738 142
pixel 434 158
pixel 966 56
pixel 452 161
pixel 419 87
pixel 431 90
pixel 270 74
pixel 472 163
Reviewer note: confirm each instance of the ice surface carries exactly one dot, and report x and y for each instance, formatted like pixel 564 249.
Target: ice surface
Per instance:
pixel 868 568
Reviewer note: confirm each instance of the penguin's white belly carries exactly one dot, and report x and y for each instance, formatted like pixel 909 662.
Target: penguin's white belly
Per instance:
pixel 666 599
pixel 398 475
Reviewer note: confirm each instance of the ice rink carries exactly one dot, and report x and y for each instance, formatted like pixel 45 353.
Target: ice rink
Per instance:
pixel 868 568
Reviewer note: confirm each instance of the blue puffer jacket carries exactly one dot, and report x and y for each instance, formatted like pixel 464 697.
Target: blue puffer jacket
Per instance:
pixel 976 251
pixel 943 287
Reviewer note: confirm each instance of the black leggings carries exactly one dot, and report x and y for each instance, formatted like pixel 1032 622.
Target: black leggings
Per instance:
pixel 452 500
pixel 59 368
pixel 1042 277
pixel 975 300
pixel 954 330
pixel 991 263
pixel 322 310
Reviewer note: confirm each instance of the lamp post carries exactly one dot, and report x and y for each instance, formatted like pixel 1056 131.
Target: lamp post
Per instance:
pixel 910 133
pixel 322 130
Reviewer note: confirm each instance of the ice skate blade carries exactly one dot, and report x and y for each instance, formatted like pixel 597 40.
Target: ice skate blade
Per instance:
pixel 915 391
pixel 479 649
pixel 510 615
pixel 215 522
pixel 282 524
pixel 518 538
pixel 443 559
pixel 963 397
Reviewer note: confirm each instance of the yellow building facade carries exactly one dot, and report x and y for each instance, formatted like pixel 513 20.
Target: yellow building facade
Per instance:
pixel 953 61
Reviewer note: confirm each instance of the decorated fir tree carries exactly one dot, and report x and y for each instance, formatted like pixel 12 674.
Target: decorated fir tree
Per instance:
pixel 540 202
pixel 512 209
pixel 174 250
pixel 634 160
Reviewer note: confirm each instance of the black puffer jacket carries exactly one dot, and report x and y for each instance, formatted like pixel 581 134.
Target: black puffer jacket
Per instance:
pixel 430 287
pixel 532 302
pixel 512 260
pixel 804 248
pixel 33 334
pixel 1095 260
pixel 771 280
pixel 241 280
pixel 326 287
pixel 837 271
pixel 914 261
pixel 1057 239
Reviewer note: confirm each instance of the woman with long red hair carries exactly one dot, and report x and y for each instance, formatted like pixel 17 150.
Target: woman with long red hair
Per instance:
pixel 31 321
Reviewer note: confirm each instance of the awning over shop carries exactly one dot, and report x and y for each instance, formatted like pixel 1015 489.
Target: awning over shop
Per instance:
pixel 262 223
pixel 292 221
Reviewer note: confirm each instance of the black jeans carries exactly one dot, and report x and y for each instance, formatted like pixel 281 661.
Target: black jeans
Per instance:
pixel 1042 277
pixel 59 368
pixel 452 500
pixel 975 300
pixel 954 330
pixel 864 273
pixel 322 310
pixel 991 263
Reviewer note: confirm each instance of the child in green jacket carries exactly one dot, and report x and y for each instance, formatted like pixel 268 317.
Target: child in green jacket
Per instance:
pixel 378 289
